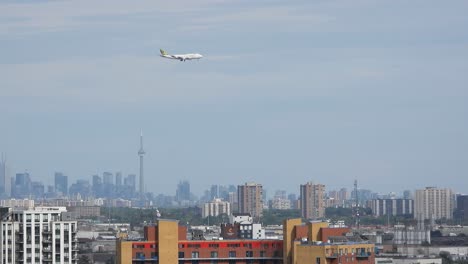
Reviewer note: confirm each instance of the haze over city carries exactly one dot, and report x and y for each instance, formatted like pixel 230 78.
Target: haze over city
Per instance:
pixel 288 92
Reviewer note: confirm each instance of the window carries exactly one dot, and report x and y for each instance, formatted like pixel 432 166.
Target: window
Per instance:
pixel 232 254
pixel 154 255
pixel 193 245
pixel 181 254
pixel 249 254
pixel 317 260
pixel 214 254
pixel 195 254
pixel 140 255
pixel 262 254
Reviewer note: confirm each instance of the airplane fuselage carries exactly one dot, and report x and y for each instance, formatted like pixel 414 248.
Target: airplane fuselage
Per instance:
pixel 183 57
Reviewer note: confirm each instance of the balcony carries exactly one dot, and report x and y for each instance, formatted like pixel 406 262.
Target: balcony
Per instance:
pixel 363 255
pixel 47 249
pixel 332 255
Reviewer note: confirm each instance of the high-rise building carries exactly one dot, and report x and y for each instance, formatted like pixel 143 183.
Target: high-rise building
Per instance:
pixel 130 181
pixel 5 180
pixel 312 200
pixel 97 186
pixel 216 207
pixel 61 184
pixel 392 207
pixel 118 178
pixel 249 199
pixel 81 187
pixel 462 207
pixel 141 153
pixel 433 203
pixel 214 192
pixel 22 187
pixel 183 191
pixel 343 194
pixel 38 235
pixel 108 178
pixel 37 190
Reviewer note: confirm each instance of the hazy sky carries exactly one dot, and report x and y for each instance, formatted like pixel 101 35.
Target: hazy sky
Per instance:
pixel 288 92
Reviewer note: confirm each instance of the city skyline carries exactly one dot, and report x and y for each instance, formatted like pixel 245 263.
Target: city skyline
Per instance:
pixel 323 91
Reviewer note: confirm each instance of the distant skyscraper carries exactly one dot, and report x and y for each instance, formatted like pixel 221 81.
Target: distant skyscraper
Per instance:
pixel 214 192
pixel 22 185
pixel 183 191
pixel 118 178
pixel 249 198
pixel 312 203
pixel 130 181
pixel 5 180
pixel 97 186
pixel 61 184
pixel 433 203
pixel 108 178
pixel 141 153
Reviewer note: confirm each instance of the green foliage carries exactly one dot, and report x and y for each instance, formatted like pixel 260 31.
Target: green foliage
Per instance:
pixel 139 216
pixel 276 217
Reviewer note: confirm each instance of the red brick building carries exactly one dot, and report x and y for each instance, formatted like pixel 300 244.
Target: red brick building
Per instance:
pixel 167 242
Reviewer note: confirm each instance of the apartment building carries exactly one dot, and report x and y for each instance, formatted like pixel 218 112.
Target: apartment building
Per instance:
pixel 37 235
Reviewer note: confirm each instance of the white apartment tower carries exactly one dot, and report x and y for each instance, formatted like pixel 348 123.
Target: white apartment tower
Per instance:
pixel 216 207
pixel 433 203
pixel 37 236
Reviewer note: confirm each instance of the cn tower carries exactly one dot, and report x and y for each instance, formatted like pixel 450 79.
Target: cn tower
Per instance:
pixel 141 153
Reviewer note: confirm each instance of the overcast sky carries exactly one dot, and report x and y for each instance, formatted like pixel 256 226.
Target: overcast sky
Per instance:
pixel 288 92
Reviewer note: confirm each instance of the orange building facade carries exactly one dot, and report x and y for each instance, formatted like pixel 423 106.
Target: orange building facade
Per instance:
pixel 166 242
pixel 302 243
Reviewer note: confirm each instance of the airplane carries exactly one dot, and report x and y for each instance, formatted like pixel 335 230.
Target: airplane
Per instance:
pixel 181 57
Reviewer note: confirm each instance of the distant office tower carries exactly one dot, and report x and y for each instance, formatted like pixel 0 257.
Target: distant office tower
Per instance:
pixel 312 205
pixel 249 198
pixel 22 187
pixel 343 194
pixel 97 186
pixel 393 207
pixel 37 190
pixel 462 207
pixel 118 178
pixel 281 194
pixel 433 203
pixel 5 180
pixel 141 153
pixel 216 207
pixel 108 178
pixel 81 187
pixel 38 236
pixel 214 192
pixel 130 181
pixel 183 191
pixel 61 184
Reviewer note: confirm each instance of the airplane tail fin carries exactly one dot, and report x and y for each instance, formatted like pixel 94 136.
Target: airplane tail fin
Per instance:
pixel 162 52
